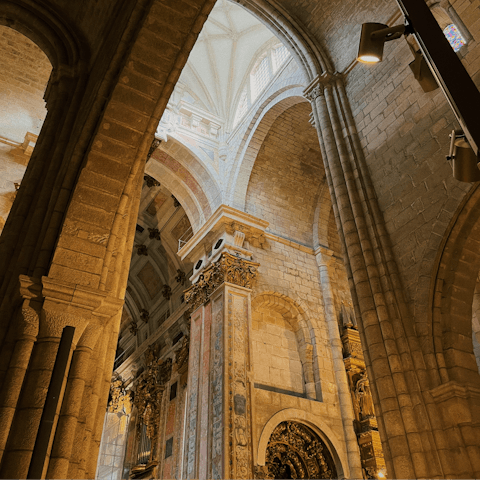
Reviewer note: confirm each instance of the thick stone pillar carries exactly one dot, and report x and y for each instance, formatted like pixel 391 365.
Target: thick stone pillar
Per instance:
pixel 48 307
pixel 412 396
pixel 219 417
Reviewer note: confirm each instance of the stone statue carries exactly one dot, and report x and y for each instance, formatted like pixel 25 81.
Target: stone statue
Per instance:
pixel 363 396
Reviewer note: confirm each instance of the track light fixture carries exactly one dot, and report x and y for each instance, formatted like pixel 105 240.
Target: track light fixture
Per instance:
pixel 444 67
pixel 373 38
pixel 464 160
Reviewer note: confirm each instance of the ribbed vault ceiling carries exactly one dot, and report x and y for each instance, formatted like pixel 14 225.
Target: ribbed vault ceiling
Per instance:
pixel 225 51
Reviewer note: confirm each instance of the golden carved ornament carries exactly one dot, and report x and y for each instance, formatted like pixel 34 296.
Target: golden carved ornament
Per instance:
pixel 228 268
pixel 181 356
pixel 295 451
pixel 120 398
pixel 149 391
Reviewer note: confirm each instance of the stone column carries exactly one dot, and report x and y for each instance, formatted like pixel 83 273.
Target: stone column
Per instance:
pixel 58 305
pixel 325 261
pixel 219 423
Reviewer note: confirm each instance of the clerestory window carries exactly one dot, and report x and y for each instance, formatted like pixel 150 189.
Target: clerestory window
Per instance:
pixel 260 75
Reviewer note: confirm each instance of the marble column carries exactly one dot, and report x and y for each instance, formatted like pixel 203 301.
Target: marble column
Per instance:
pixel 219 423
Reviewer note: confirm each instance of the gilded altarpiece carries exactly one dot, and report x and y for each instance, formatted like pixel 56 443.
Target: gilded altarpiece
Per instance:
pixel 219 411
pixel 366 427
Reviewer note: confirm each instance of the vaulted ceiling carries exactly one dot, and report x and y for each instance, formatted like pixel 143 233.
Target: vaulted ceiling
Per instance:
pixel 226 50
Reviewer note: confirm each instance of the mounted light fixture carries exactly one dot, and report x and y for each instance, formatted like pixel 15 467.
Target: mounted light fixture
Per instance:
pixel 464 161
pixel 373 38
pixel 445 67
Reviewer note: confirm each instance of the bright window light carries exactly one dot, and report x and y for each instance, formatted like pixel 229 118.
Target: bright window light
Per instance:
pixel 454 37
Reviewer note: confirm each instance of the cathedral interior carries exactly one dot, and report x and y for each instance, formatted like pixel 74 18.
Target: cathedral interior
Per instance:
pixel 232 249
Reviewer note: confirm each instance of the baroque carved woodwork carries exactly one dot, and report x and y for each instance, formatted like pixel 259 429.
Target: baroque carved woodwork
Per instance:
pixel 295 451
pixel 365 423
pixel 120 398
pixel 149 392
pixel 228 268
pixel 181 356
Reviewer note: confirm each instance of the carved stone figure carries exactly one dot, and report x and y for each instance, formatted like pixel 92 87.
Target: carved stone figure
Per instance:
pixel 155 144
pixel 167 291
pixel 142 250
pixel 144 315
pixel 176 203
pixel 364 397
pixel 133 328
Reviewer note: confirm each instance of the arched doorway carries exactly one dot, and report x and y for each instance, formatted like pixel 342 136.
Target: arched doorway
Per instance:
pixel 296 451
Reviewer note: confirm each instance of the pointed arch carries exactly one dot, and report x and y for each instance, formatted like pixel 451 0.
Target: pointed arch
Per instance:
pixel 312 60
pixel 254 137
pixel 54 35
pixel 452 294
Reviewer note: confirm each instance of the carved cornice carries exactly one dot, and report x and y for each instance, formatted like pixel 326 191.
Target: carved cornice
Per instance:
pixel 228 269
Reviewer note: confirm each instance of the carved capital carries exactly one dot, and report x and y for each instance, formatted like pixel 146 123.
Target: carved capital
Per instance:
pixel 314 93
pixel 228 268
pixel 317 87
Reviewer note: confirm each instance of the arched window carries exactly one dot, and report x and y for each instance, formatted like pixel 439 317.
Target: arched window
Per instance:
pixel 279 55
pixel 242 106
pixel 260 76
pixel 452 26
pixel 454 36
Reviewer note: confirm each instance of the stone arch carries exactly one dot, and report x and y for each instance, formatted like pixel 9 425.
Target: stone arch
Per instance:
pixel 59 40
pixel 316 424
pixel 191 159
pixel 287 307
pixel 183 185
pixel 453 287
pixel 298 319
pixel 290 32
pixel 261 124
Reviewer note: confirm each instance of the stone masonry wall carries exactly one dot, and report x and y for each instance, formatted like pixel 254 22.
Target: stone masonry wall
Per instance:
pixel 404 132
pixel 284 182
pixel 24 73
pixel 276 360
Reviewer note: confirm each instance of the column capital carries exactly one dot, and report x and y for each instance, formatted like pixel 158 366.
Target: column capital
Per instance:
pixel 317 86
pixel 228 269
